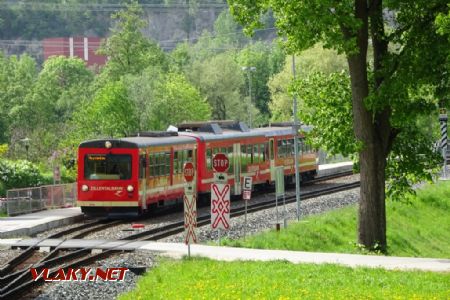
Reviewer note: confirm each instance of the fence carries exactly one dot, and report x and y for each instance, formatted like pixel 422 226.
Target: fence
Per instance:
pixel 27 200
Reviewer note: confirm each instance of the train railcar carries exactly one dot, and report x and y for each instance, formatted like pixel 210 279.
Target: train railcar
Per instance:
pixel 135 174
pixel 130 175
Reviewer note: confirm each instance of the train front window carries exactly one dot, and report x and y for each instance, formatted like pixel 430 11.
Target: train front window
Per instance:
pixel 107 166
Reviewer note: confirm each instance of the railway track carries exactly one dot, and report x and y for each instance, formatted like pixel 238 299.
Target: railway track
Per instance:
pixel 16 270
pixel 16 284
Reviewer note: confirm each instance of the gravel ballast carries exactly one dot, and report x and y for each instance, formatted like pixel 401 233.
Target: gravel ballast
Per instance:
pixel 100 289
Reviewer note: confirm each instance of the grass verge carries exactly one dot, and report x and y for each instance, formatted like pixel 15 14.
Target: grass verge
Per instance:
pixel 419 228
pixel 206 279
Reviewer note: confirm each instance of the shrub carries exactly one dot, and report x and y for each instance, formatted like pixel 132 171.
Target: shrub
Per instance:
pixel 18 174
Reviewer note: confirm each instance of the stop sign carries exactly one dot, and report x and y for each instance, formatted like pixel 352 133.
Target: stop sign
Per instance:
pixel 220 163
pixel 188 171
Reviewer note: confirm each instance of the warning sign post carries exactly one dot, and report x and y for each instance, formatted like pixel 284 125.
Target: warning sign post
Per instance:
pixel 220 194
pixel 246 195
pixel 190 206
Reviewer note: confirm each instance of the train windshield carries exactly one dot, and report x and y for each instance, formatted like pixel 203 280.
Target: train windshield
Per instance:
pixel 107 166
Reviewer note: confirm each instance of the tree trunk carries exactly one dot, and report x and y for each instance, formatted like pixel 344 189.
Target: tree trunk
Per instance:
pixel 372 156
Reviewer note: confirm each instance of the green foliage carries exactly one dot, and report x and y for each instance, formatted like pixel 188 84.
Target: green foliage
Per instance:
pixel 164 99
pixel 200 278
pixel 18 174
pixel 3 150
pixel 62 85
pixel 313 60
pixel 405 168
pixel 59 88
pixel 220 79
pixel 327 106
pixel 418 228
pixel 268 60
pixel 111 113
pixel 17 77
pixel 128 50
pixel 177 101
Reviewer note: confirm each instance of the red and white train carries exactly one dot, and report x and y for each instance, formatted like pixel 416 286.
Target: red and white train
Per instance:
pixel 131 175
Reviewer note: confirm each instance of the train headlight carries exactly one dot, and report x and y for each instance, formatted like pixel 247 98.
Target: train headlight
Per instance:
pixel 84 188
pixel 130 188
pixel 108 144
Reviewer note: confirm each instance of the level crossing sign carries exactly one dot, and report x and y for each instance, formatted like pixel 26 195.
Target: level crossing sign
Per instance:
pixel 220 206
pixel 247 187
pixel 220 163
pixel 188 171
pixel 190 218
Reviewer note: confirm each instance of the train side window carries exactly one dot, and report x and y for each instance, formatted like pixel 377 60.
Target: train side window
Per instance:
pixel 208 158
pixel 230 158
pixel 244 162
pixel 280 148
pixel 190 155
pixel 155 164
pixel 142 166
pixel 250 154
pixel 150 165
pixel 256 154
pixel 161 164
pixel 271 146
pixel 175 162
pixel 151 159
pixel 290 147
pixel 183 157
pixel 216 150
pixel 167 163
pixel 263 153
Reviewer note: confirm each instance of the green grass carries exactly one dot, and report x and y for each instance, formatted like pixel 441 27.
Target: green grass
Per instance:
pixel 206 279
pixel 420 228
pixel 3 214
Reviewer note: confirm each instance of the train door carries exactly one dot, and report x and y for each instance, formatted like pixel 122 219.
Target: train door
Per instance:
pixel 272 159
pixel 237 168
pixel 143 163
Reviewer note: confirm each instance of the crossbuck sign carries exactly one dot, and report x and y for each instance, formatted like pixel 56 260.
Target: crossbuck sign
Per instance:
pixel 220 206
pixel 190 218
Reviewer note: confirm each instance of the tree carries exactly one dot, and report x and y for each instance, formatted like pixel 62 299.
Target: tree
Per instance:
pixel 165 99
pixel 177 101
pixel 110 114
pixel 221 79
pixel 268 60
pixel 384 105
pixel 41 115
pixel 128 50
pixel 17 77
pixel 313 60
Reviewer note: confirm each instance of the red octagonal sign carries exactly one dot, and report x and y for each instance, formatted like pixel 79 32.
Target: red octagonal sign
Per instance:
pixel 220 163
pixel 188 171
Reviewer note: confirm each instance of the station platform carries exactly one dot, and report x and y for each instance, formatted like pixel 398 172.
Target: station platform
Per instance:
pixel 329 169
pixel 31 224
pixel 178 250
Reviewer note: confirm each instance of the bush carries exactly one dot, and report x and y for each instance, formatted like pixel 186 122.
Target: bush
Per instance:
pixel 18 174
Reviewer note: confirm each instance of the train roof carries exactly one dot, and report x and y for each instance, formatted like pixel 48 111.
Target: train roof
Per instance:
pixel 139 142
pixel 205 131
pixel 233 134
